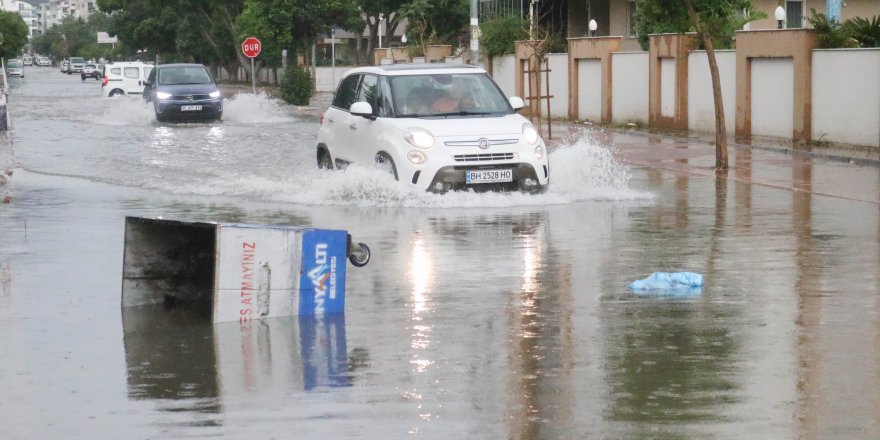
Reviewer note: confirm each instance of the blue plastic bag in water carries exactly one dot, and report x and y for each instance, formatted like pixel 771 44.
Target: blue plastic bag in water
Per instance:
pixel 669 283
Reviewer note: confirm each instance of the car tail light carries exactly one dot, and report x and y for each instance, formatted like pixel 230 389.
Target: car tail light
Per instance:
pixel 106 80
pixel 322 119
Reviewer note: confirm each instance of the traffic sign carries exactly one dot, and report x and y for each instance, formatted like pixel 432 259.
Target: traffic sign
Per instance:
pixel 251 47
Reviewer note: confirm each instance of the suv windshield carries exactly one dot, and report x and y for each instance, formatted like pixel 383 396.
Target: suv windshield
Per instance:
pixel 14 64
pixel 77 60
pixel 169 76
pixel 444 95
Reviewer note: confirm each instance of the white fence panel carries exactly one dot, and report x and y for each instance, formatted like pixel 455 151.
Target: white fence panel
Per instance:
pixel 667 87
pixel 629 88
pixel 558 63
pixel 701 103
pixel 589 90
pixel 772 97
pixel 504 73
pixel 846 96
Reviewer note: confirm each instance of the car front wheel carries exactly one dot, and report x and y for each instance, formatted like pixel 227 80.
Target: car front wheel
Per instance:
pixel 386 163
pixel 324 160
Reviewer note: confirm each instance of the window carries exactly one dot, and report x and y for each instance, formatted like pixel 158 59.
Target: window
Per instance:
pixel 794 14
pixel 132 72
pixel 116 71
pixel 631 20
pixel 346 93
pixel 368 90
pixel 147 71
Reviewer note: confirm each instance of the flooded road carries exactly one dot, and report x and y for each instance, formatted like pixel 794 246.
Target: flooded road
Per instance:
pixel 480 316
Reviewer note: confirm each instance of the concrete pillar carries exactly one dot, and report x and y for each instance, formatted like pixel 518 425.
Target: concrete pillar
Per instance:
pixel 795 44
pixel 599 48
pixel 673 48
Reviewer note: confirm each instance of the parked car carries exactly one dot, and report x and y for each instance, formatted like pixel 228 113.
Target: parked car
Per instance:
pixel 432 127
pixel 124 78
pixel 90 71
pixel 183 91
pixel 76 65
pixel 43 62
pixel 14 68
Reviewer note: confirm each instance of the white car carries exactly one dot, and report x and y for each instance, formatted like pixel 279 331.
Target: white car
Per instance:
pixel 433 127
pixel 14 68
pixel 125 78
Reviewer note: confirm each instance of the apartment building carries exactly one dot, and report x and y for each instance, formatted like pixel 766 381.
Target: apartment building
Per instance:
pixel 29 13
pixel 53 11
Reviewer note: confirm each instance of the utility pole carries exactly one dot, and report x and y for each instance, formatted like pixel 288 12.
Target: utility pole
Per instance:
pixel 475 33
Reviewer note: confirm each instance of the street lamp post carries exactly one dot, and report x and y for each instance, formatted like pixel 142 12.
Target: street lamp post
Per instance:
pixel 779 14
pixel 593 27
pixel 381 19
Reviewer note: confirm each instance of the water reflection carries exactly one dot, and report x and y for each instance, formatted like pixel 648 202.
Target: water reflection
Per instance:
pixel 178 356
pixel 541 350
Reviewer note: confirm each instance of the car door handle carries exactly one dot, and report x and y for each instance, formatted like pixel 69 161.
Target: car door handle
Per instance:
pixel 353 126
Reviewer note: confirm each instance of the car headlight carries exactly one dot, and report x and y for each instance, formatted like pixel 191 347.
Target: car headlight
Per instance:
pixel 419 137
pixel 416 157
pixel 530 134
pixel 539 151
pixel 214 94
pixel 163 95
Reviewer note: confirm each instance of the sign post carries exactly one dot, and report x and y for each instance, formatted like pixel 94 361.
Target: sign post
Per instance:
pixel 251 47
pixel 333 55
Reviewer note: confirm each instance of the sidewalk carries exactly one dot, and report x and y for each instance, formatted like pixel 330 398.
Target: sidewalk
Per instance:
pixel 851 175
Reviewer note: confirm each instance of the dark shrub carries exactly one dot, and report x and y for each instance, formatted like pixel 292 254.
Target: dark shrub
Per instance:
pixel 296 86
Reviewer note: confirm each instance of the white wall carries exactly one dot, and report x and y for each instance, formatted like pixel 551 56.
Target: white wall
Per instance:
pixel 324 80
pixel 589 90
pixel 701 103
pixel 667 87
pixel 846 96
pixel 504 73
pixel 772 97
pixel 629 87
pixel 558 63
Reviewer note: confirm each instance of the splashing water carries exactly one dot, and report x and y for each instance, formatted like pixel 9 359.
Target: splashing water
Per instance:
pixel 581 170
pixel 246 108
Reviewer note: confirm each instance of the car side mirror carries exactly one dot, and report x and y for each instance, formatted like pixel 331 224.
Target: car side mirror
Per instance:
pixel 148 84
pixel 516 102
pixel 363 109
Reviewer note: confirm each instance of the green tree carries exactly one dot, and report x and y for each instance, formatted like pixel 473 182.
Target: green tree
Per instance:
pixel 372 11
pixel 15 34
pixel 500 34
pixel 714 21
pixel 294 24
pixel 436 21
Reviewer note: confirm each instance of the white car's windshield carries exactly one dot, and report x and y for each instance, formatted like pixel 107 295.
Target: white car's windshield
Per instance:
pixel 445 95
pixel 77 60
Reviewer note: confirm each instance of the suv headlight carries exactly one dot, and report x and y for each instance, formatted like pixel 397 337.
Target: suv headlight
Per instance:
pixel 530 134
pixel 214 94
pixel 163 95
pixel 419 137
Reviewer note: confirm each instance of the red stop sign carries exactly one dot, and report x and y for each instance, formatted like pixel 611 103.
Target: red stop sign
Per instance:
pixel 251 47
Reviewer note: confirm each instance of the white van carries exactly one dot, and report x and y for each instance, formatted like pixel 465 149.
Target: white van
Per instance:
pixel 125 78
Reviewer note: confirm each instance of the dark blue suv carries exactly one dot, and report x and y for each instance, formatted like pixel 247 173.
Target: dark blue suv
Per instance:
pixel 183 92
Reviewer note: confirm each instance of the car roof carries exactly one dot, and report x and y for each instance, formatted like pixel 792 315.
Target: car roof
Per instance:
pixel 416 69
pixel 163 66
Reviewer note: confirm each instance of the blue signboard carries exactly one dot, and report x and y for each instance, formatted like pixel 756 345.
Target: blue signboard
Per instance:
pixel 322 281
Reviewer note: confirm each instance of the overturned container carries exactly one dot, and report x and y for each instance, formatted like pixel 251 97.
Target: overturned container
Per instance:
pixel 239 272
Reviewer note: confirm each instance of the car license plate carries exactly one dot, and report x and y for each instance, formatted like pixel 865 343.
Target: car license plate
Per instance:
pixel 190 108
pixel 488 176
